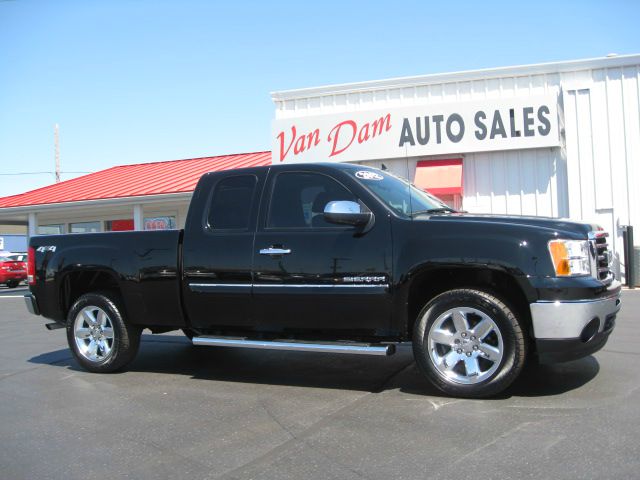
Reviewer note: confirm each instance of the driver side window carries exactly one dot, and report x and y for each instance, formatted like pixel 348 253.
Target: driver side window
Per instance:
pixel 299 199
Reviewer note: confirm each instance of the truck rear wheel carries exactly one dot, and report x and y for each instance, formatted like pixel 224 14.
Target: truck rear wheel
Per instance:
pixel 98 335
pixel 469 343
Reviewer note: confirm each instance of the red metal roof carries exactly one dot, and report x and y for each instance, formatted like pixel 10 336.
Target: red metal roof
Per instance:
pixel 176 176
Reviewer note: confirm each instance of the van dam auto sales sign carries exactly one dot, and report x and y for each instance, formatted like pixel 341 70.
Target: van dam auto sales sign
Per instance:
pixel 479 126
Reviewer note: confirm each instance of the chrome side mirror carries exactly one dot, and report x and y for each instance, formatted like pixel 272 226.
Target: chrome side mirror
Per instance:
pixel 344 212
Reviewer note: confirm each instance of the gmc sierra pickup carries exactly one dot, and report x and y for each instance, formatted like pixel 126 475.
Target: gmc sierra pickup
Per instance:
pixel 335 258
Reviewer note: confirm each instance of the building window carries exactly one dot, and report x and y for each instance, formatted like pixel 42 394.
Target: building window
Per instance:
pixel 84 227
pixel 159 223
pixel 121 225
pixel 55 229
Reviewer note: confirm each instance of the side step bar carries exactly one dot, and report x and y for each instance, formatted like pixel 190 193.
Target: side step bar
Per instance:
pixel 335 347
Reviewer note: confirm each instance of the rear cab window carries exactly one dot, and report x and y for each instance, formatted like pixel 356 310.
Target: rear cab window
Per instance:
pixel 231 203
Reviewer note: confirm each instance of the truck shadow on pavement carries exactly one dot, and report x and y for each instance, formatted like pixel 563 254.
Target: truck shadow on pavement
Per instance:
pixel 174 355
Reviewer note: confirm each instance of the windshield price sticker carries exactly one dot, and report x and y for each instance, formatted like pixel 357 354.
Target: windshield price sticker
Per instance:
pixel 368 175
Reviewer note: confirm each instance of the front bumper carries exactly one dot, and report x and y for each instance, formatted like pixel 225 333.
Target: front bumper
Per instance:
pixel 568 330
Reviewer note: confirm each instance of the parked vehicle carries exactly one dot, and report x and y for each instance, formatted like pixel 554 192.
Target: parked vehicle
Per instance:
pixel 336 258
pixel 19 257
pixel 12 272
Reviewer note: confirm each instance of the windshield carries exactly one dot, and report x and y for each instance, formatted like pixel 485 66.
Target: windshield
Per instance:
pixel 398 194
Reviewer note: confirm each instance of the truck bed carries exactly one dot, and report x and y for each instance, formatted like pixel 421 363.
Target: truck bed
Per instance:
pixel 144 265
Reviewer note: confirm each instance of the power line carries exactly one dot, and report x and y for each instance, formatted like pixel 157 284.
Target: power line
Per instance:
pixel 38 173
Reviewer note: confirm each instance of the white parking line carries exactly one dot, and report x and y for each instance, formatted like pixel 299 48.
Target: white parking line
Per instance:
pixel 11 296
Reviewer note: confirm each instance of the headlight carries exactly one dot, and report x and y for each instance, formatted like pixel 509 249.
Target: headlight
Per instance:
pixel 570 257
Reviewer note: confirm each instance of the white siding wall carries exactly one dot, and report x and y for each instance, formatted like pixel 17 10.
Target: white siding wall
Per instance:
pixel 516 182
pixel 594 176
pixel 419 95
pixel 602 121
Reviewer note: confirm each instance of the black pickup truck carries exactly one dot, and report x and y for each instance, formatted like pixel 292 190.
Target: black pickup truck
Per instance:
pixel 337 258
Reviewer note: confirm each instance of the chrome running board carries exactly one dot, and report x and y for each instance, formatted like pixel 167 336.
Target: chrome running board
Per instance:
pixel 332 347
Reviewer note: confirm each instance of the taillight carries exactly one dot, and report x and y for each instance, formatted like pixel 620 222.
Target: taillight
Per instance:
pixel 31 266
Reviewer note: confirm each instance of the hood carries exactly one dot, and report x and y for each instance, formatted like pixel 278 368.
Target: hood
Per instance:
pixel 552 225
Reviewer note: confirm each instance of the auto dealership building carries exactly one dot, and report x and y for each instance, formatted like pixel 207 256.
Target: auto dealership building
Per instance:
pixel 557 139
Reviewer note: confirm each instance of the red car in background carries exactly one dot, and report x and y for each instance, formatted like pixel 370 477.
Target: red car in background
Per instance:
pixel 13 269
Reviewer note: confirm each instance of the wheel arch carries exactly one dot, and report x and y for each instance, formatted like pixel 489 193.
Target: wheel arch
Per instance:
pixel 431 282
pixel 76 283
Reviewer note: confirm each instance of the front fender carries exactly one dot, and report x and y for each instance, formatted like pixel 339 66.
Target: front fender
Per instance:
pixel 517 251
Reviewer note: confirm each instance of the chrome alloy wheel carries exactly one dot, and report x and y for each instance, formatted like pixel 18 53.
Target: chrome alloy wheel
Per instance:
pixel 465 345
pixel 93 332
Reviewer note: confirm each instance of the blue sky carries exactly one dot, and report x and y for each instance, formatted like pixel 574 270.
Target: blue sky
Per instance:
pixel 139 81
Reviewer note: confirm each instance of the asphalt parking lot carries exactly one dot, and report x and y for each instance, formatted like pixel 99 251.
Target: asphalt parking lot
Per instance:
pixel 196 412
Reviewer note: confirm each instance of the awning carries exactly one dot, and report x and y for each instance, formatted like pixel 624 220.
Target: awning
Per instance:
pixel 440 177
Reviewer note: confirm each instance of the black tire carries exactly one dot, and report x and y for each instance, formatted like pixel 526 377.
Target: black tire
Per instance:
pixel 446 365
pixel 125 338
pixel 12 283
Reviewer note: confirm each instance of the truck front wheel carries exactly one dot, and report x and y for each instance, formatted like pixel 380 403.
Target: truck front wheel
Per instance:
pixel 469 343
pixel 98 335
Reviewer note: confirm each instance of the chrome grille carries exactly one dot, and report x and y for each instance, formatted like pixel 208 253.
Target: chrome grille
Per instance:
pixel 600 255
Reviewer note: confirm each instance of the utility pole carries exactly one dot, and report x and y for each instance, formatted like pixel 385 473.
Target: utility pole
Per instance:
pixel 57 152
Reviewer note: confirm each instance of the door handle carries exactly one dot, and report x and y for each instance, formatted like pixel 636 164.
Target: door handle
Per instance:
pixel 275 251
